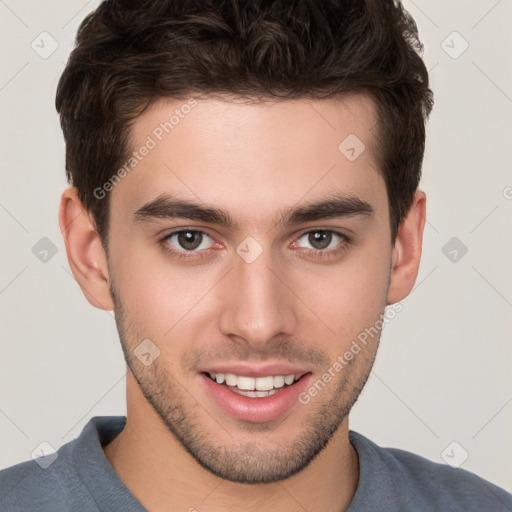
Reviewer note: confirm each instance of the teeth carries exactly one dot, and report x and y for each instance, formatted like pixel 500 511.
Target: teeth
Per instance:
pixel 231 380
pixel 255 394
pixel 289 379
pixel 254 383
pixel 247 383
pixel 263 383
pixel 279 381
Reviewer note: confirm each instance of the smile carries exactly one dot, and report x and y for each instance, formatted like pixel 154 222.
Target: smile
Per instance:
pixel 254 387
pixel 254 398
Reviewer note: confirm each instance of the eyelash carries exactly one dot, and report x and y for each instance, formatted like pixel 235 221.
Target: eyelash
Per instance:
pixel 203 253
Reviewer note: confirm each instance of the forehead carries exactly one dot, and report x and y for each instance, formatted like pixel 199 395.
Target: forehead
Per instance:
pixel 241 156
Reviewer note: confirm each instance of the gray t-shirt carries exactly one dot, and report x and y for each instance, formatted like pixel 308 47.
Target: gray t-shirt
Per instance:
pixel 81 478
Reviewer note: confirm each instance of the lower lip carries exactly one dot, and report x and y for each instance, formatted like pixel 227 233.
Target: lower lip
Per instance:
pixel 255 409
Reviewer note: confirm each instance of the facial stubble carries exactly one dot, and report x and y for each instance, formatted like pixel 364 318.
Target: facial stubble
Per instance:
pixel 242 462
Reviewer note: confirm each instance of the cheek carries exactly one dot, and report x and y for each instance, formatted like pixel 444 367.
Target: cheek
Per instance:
pixel 350 296
pixel 161 296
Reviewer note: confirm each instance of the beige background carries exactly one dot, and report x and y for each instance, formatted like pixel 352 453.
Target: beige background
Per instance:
pixel 443 370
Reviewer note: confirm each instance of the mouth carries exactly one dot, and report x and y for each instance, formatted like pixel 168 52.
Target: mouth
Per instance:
pixel 254 387
pixel 254 398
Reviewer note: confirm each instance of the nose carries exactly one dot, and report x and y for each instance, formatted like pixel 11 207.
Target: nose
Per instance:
pixel 258 303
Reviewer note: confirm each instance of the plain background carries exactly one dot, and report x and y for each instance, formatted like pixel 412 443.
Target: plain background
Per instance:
pixel 443 370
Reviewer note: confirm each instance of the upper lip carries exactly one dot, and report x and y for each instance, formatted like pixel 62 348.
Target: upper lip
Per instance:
pixel 252 370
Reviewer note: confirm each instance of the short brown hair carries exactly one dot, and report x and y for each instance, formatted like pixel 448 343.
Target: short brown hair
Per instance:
pixel 129 53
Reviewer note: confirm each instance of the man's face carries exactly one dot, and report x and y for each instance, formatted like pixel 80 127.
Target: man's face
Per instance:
pixel 261 297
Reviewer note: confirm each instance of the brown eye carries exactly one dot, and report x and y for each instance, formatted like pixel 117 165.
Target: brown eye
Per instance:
pixel 188 240
pixel 323 243
pixel 320 239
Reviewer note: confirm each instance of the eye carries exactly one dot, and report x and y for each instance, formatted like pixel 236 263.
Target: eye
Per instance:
pixel 325 241
pixel 194 243
pixel 187 240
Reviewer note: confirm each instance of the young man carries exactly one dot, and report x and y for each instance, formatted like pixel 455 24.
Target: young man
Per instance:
pixel 245 198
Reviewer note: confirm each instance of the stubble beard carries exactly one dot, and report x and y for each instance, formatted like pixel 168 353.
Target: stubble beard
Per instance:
pixel 247 462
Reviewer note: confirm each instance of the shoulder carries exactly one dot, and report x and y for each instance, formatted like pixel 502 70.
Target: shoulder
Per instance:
pixel 421 484
pixel 35 485
pixel 444 484
pixel 66 479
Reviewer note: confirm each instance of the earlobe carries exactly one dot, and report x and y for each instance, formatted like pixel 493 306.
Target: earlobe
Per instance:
pixel 85 252
pixel 407 250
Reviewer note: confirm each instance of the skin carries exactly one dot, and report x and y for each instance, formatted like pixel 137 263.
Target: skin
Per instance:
pixel 179 449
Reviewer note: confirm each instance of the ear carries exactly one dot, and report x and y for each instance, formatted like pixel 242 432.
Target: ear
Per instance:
pixel 407 250
pixel 86 256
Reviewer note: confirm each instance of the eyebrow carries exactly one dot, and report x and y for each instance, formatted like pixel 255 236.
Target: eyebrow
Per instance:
pixel 333 206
